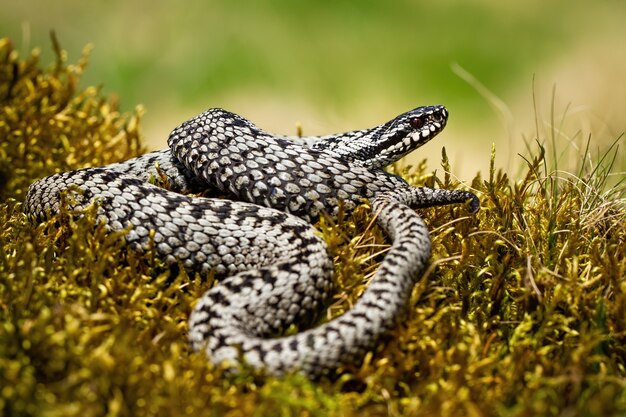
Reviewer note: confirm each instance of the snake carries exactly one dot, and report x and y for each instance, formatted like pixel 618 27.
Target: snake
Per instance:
pixel 259 240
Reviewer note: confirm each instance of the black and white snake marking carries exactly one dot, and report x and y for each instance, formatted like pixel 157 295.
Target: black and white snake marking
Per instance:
pixel 274 270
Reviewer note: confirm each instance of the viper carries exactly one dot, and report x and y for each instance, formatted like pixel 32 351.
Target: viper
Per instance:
pixel 273 268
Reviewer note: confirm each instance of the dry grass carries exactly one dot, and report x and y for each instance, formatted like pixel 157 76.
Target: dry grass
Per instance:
pixel 523 311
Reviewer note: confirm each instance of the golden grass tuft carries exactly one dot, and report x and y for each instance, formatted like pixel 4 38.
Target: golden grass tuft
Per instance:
pixel 523 311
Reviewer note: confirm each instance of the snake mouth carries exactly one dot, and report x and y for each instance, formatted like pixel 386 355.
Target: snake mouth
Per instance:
pixel 408 132
pixel 433 122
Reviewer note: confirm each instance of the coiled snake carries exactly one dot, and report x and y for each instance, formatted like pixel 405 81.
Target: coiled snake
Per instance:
pixel 274 270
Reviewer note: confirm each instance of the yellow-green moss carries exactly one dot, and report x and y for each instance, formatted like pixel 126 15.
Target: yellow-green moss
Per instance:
pixel 48 124
pixel 522 313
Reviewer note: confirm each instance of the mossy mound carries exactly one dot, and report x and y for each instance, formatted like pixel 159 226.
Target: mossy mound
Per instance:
pixel 523 311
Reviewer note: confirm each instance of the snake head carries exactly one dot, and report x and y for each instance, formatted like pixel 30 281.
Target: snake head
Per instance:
pixel 381 145
pixel 405 133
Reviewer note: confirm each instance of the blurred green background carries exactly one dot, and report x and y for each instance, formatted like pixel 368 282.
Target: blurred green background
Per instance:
pixel 341 65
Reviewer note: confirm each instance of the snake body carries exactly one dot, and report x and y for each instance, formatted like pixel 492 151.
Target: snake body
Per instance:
pixel 274 270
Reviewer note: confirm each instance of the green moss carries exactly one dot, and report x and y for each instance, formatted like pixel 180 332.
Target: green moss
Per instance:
pixel 523 311
pixel 48 124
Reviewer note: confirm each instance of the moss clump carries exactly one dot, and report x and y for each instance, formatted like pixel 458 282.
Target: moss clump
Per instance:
pixel 523 311
pixel 48 124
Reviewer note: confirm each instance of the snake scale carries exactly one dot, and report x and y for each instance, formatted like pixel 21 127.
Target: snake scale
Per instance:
pixel 273 269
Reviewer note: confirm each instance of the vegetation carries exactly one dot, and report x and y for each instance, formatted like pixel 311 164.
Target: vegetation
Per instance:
pixel 523 311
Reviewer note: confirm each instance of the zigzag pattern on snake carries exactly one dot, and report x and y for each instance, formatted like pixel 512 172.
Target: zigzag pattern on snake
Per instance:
pixel 274 270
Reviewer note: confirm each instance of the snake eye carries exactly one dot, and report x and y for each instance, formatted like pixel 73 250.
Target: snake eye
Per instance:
pixel 416 122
